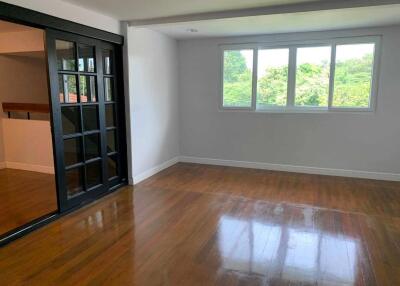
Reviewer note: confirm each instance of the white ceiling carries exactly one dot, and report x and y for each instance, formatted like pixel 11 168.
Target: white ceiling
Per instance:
pixel 215 18
pixel 284 23
pixel 147 9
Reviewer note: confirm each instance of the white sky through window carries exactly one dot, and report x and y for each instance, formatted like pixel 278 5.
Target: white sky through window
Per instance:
pixel 248 55
pixel 346 52
pixel 272 58
pixel 313 55
pixel 308 55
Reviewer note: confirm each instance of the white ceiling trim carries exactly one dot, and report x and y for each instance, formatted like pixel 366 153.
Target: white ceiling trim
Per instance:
pixel 325 20
pixel 269 10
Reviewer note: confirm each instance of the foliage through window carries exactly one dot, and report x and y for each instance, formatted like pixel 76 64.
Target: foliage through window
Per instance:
pixel 272 77
pixel 312 76
pixel 331 75
pixel 238 78
pixel 353 75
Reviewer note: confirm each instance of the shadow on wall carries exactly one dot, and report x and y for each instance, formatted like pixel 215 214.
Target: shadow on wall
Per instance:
pixel 154 89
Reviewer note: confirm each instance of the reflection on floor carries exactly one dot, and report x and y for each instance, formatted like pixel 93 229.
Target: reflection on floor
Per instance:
pixel 205 225
pixel 25 196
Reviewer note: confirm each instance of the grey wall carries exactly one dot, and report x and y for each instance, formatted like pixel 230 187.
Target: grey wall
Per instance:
pixel 351 141
pixel 153 95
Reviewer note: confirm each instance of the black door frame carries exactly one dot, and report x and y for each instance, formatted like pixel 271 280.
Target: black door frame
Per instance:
pixel 24 16
pixel 101 103
pixel 20 15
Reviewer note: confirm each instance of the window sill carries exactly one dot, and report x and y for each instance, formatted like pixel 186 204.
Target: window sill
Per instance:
pixel 301 110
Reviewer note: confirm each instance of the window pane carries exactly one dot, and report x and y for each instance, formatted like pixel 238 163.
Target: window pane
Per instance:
pixel 74 181
pixel 86 58
pixel 108 61
pixel 88 88
pixel 353 75
pixel 112 165
pixel 92 146
pixel 111 141
pixel 110 116
pixel 237 86
pixel 272 76
pixel 312 76
pixel 93 174
pixel 71 119
pixel 72 151
pixel 108 89
pixel 67 88
pixel 65 55
pixel 90 117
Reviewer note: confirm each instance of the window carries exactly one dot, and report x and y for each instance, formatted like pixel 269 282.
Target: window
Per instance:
pixel 238 73
pixel 272 77
pixel 353 75
pixel 312 76
pixel 334 74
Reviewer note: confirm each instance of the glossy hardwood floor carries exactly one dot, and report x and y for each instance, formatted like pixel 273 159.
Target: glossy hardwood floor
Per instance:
pixel 24 197
pixel 206 225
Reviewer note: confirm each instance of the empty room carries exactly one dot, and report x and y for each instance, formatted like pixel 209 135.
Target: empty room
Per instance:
pixel 200 142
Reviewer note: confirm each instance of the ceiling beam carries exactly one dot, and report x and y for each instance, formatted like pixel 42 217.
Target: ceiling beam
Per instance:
pixel 268 10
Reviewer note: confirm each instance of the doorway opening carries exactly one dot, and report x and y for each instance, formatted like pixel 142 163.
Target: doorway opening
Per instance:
pixel 62 121
pixel 27 174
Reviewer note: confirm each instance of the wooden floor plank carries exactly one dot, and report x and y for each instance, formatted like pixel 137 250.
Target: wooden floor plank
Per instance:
pixel 24 197
pixel 207 225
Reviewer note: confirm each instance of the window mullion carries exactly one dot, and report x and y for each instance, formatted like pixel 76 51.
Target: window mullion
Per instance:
pixel 291 76
pixel 332 75
pixel 254 80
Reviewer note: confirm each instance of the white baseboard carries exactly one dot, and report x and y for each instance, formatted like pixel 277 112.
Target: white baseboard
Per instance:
pixel 266 166
pixel 146 174
pixel 293 168
pixel 2 165
pixel 30 167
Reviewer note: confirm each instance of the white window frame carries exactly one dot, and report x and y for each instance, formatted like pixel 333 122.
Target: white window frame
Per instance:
pixel 292 46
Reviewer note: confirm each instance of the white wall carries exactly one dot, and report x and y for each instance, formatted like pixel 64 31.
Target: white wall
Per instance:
pixel 30 40
pixel 365 141
pixel 24 69
pixel 70 12
pixel 153 94
pixel 23 79
pixel 2 157
pixel 28 145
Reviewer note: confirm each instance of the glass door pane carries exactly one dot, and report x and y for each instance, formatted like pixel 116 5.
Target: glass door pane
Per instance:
pixel 85 101
pixel 111 116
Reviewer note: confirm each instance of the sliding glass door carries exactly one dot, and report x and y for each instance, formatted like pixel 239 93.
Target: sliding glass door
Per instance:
pixel 88 123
